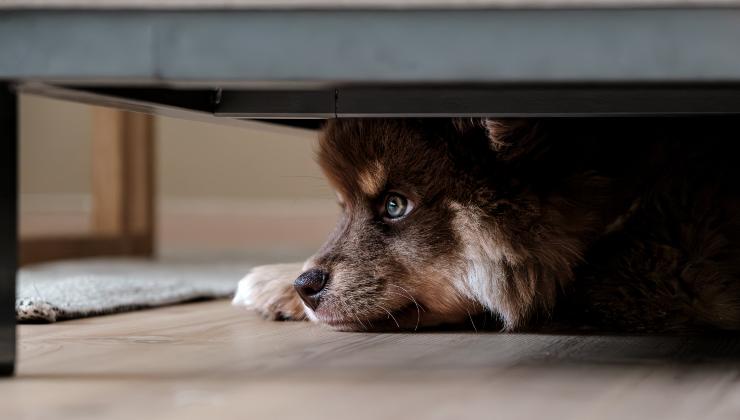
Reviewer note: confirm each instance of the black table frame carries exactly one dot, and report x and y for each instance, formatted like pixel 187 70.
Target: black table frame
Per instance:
pixel 8 224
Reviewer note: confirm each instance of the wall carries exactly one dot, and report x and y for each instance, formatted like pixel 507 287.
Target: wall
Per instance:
pixel 220 188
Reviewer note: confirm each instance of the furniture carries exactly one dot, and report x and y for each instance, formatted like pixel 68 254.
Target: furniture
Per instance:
pixel 122 194
pixel 227 60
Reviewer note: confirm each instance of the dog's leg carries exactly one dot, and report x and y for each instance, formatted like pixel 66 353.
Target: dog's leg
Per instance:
pixel 269 290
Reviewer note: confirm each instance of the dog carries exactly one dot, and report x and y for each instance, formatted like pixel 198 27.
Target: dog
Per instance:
pixel 620 224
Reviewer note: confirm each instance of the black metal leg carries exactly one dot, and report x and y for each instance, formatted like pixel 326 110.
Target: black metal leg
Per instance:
pixel 8 225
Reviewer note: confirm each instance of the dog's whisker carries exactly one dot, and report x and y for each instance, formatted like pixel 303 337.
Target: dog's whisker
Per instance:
pixel 369 322
pixel 358 320
pixel 400 294
pixel 390 315
pixel 412 300
pixel 418 318
pixel 471 320
pixel 410 297
pixel 345 309
pixel 470 317
pixel 418 308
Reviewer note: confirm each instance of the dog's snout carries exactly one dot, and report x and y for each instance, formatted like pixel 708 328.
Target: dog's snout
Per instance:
pixel 309 286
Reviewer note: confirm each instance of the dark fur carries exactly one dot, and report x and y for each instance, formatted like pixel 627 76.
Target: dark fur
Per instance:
pixel 620 224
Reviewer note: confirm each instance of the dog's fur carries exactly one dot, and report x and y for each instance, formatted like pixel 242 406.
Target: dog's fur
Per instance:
pixel 618 224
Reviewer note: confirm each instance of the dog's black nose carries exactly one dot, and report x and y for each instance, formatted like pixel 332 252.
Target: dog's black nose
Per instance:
pixel 309 286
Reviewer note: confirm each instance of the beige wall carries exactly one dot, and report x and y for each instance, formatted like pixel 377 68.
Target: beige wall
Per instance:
pixel 219 187
pixel 200 159
pixel 195 159
pixel 54 147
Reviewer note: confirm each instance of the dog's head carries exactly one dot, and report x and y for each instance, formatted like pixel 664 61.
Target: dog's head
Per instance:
pixel 434 226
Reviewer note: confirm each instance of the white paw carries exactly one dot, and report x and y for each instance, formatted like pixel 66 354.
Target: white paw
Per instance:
pixel 268 289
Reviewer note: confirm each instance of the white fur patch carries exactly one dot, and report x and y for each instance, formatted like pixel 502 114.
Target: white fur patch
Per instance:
pixel 310 314
pixel 244 292
pixel 259 278
pixel 482 279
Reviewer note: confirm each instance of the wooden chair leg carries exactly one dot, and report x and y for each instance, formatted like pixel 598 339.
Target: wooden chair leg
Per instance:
pixel 123 178
pixel 122 193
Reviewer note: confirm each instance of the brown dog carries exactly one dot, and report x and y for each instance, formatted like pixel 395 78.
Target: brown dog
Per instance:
pixel 623 224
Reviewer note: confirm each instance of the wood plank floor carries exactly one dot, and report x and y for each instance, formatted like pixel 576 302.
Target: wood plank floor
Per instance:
pixel 209 360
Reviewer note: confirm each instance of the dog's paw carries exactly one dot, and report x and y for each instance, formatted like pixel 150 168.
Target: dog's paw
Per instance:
pixel 269 290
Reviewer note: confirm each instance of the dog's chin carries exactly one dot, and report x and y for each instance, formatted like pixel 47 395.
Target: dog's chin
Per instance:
pixel 407 318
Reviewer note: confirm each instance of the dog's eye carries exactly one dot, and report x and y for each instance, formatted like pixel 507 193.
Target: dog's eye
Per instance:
pixel 396 206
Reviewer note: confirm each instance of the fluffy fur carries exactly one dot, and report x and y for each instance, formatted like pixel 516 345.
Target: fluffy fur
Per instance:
pixel 619 224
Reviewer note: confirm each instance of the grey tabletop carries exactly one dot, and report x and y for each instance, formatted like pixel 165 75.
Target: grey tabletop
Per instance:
pixel 315 42
pixel 355 4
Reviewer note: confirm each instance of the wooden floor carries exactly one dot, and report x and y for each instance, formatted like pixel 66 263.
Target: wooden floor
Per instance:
pixel 211 361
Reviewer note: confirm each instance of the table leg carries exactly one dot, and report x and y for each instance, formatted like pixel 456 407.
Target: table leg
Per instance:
pixel 8 225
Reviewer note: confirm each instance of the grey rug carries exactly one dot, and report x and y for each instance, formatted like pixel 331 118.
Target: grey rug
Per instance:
pixel 74 289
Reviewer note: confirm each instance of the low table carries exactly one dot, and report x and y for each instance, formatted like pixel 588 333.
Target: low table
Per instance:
pixel 228 60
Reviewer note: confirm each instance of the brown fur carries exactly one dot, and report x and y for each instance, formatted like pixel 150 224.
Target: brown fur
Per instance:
pixel 628 224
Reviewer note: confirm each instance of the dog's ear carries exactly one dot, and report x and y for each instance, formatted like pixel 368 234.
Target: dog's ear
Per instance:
pixel 513 138
pixel 509 138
